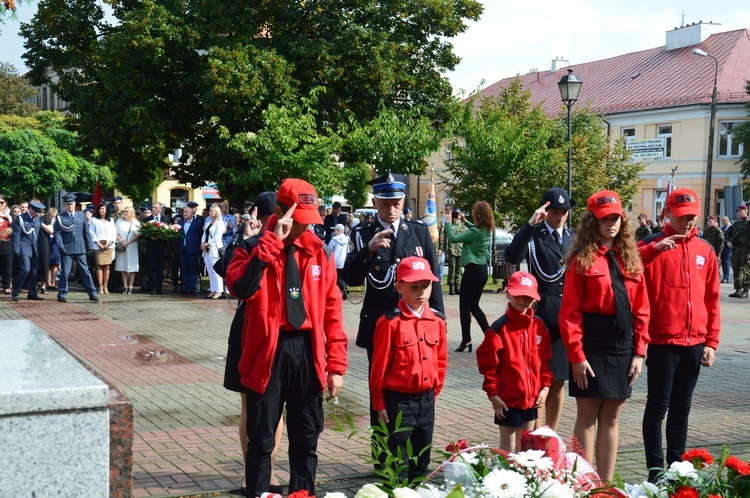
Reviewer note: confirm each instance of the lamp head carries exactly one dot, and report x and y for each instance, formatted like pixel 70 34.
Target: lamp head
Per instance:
pixel 569 86
pixel 699 52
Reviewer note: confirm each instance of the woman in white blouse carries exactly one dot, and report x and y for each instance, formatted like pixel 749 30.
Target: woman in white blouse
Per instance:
pixel 104 234
pixel 210 245
pixel 126 262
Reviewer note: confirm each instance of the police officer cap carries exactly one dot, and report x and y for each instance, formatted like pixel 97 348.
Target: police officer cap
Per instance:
pixel 69 198
pixel 265 202
pixel 192 204
pixel 389 186
pixel 407 209
pixel 116 198
pixel 558 198
pixel 37 206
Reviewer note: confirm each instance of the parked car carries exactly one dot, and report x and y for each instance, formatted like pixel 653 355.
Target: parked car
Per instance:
pixel 502 240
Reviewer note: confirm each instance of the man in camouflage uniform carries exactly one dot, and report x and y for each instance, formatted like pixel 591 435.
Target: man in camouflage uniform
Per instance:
pixel 738 237
pixel 452 251
pixel 643 230
pixel 714 235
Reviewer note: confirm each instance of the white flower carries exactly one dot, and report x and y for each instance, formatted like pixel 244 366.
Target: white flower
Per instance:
pixel 504 483
pixel 552 488
pixel 684 469
pixel 470 457
pixel 335 495
pixel 430 491
pixel 405 493
pixel 535 459
pixel 370 491
pixel 643 490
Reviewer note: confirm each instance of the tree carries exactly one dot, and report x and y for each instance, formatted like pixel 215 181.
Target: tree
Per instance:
pixel 194 75
pixel 509 152
pixel 742 134
pixel 39 156
pixel 15 92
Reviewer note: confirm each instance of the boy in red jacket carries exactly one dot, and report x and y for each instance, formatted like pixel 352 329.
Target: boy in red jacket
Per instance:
pixel 293 341
pixel 514 359
pixel 682 281
pixel 409 360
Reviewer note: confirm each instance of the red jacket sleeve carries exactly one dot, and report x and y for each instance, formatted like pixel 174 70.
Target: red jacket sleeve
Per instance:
pixel 545 353
pixel 488 362
pixel 442 356
pixel 641 312
pixel 571 314
pixel 336 340
pixel 381 354
pixel 648 251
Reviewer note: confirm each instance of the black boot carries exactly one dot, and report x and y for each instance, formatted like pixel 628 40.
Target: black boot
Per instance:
pixel 736 293
pixel 450 289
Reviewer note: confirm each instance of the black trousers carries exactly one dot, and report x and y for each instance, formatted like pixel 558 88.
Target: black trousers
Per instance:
pixel 472 286
pixel 294 382
pixel 418 415
pixel 672 376
pixel 157 259
pixel 6 270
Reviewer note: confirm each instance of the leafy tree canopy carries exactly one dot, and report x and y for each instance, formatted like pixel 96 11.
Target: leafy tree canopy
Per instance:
pixel 509 152
pixel 742 134
pixel 199 75
pixel 15 91
pixel 39 155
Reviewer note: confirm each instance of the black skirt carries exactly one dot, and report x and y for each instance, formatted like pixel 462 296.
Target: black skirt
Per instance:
pixel 234 352
pixel 609 351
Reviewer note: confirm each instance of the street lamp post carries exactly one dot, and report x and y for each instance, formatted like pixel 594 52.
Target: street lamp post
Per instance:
pixel 569 86
pixel 711 128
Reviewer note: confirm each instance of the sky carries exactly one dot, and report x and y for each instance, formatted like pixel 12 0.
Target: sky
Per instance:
pixel 514 40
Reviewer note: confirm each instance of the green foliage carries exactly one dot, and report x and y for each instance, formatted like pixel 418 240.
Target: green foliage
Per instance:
pixel 15 91
pixel 742 134
pixel 509 152
pixel 200 75
pixel 39 155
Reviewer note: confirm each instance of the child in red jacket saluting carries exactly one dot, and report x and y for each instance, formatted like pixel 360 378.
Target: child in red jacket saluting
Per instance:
pixel 514 359
pixel 409 360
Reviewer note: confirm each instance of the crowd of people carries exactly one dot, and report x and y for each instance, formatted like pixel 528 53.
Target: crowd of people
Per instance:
pixel 596 306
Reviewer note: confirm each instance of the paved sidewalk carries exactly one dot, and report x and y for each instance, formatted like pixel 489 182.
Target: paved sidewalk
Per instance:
pixel 167 354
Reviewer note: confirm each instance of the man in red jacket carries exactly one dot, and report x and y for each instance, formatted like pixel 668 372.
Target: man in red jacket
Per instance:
pixel 682 278
pixel 293 341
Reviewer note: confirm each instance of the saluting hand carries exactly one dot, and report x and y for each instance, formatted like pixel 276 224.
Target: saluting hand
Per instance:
pixel 539 215
pixel 668 243
pixel 252 226
pixel 382 239
pixel 284 224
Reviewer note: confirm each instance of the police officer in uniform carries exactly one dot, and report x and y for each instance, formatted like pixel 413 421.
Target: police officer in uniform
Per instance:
pixel 376 250
pixel 74 240
pixel 543 242
pixel 738 240
pixel 26 235
pixel 643 230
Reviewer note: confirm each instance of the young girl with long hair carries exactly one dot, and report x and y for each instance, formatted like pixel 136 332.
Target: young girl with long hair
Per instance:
pixel 604 324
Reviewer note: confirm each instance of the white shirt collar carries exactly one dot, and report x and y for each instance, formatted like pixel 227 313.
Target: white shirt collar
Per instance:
pixel 387 226
pixel 550 230
pixel 418 315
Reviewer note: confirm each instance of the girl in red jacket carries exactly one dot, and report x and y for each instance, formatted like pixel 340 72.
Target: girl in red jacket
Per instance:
pixel 604 324
pixel 514 359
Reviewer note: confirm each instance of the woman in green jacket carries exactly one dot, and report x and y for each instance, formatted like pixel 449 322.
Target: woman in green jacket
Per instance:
pixel 474 258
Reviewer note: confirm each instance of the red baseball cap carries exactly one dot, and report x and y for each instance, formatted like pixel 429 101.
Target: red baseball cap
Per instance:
pixel 415 269
pixel 683 202
pixel 294 190
pixel 523 284
pixel 604 203
pixel 742 207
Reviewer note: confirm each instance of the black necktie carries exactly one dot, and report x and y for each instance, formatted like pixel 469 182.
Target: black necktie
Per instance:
pixel 623 313
pixel 295 306
pixel 557 238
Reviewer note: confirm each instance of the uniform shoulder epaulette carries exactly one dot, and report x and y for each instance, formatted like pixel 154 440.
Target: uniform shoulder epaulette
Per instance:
pixel 393 313
pixel 498 325
pixel 650 238
pixel 439 314
pixel 419 222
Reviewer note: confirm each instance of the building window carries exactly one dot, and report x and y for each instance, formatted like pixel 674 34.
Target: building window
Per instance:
pixel 728 145
pixel 628 134
pixel 665 131
pixel 178 198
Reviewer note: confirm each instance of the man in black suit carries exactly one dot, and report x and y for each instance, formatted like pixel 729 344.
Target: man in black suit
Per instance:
pixel 189 248
pixel 543 242
pixel 26 228
pixel 156 251
pixel 333 219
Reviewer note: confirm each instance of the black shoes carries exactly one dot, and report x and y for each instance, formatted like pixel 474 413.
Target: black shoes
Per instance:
pixel 14 297
pixel 62 299
pixel 739 293
pixel 93 298
pixel 464 346
pixel 725 281
pixel 34 298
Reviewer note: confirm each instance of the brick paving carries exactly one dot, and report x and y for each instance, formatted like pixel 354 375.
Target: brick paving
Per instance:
pixel 166 353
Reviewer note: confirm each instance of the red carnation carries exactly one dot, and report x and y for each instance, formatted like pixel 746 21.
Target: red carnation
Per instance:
pixel 739 466
pixel 457 447
pixel 698 456
pixel 302 493
pixel 685 492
